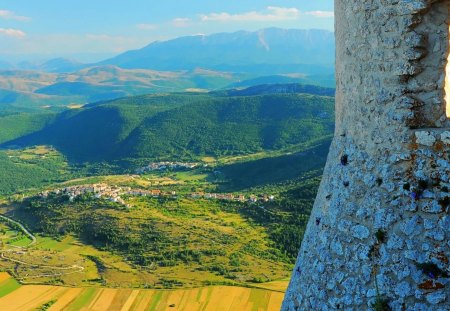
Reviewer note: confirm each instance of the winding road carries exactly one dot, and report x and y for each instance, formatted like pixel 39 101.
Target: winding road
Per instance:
pixel 24 230
pixel 75 268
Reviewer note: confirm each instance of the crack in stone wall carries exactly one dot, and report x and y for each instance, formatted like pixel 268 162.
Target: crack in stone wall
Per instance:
pixel 380 226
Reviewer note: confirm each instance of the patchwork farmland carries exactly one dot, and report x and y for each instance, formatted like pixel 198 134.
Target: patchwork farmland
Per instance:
pixel 14 297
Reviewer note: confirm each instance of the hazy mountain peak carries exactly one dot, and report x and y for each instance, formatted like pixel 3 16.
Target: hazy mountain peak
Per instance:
pixel 61 64
pixel 229 51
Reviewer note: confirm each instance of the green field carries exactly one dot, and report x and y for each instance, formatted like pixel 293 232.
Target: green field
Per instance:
pixel 83 299
pixel 8 286
pixel 24 241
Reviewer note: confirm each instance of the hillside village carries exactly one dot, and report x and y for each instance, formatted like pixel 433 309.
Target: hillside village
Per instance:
pixel 162 166
pixel 115 194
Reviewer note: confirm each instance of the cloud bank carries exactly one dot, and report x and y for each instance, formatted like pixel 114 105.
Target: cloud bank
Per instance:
pixel 9 32
pixel 271 13
pixel 321 14
pixel 147 26
pixel 181 22
pixel 5 14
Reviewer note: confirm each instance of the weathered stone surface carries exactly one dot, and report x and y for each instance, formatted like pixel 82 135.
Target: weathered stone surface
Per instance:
pixel 360 232
pixel 445 137
pixel 436 298
pixel 403 289
pixel 386 217
pixel 425 138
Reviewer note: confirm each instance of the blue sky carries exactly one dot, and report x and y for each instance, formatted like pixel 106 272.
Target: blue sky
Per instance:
pixel 93 29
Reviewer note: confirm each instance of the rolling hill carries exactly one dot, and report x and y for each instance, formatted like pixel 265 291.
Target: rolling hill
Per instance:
pixel 16 124
pixel 35 91
pixel 278 88
pixel 186 125
pixel 59 64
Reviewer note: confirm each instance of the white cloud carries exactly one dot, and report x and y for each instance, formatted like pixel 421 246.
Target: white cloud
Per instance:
pixel 321 14
pixel 147 26
pixel 16 33
pixel 271 13
pixel 5 14
pixel 99 37
pixel 87 45
pixel 114 43
pixel 181 22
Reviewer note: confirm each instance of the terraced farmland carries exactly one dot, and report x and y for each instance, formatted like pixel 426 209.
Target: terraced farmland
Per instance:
pixel 217 298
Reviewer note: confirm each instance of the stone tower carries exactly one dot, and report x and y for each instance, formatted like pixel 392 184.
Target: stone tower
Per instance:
pixel 380 228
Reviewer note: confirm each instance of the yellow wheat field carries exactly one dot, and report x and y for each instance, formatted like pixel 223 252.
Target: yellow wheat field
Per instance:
pixel 217 298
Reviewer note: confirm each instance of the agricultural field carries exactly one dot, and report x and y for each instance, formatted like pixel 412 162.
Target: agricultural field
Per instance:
pixel 7 284
pixel 215 298
pixel 64 262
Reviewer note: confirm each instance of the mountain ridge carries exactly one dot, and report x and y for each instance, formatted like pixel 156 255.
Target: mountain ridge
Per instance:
pixel 268 46
pixel 187 125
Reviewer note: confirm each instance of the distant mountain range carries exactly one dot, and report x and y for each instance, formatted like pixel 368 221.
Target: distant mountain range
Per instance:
pixel 194 64
pixel 269 50
pixel 56 65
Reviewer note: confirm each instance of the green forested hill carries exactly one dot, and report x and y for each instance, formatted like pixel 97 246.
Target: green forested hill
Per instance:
pixel 233 125
pixel 185 126
pixel 16 124
pixel 30 168
pixel 274 170
pixel 279 88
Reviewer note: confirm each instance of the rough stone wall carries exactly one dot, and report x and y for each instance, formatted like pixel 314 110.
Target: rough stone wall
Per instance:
pixel 380 226
pixel 447 80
